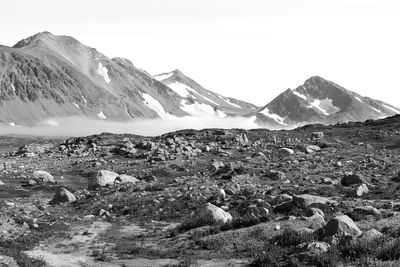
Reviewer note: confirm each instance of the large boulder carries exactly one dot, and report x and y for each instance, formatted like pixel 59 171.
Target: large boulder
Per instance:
pixel 341 225
pixel 43 177
pixel 62 195
pixel 102 178
pixel 212 214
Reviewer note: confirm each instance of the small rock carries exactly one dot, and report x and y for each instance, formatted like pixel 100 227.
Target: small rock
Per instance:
pixel 62 195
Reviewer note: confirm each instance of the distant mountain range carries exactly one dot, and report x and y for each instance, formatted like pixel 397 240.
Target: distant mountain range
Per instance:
pixel 48 76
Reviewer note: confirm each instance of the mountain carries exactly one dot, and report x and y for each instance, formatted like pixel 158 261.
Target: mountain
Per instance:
pixel 49 76
pixel 321 101
pixel 198 100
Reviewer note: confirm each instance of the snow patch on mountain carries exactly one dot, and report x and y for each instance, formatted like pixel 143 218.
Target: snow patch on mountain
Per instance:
pixel 273 116
pixel 197 109
pixel 358 99
pixel 101 115
pixel 163 76
pixel 231 103
pixel 153 104
pixel 84 99
pixel 13 87
pixel 76 105
pixel 392 109
pixel 209 100
pixel 300 95
pixel 181 89
pixel 103 72
pixel 377 110
pixel 12 124
pixel 316 104
pixel 324 105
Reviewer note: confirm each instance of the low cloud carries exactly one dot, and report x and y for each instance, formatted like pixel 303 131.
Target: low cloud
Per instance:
pixel 78 126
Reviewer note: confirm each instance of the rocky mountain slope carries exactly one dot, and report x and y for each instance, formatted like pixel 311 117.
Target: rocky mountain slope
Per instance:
pixel 46 76
pixel 321 101
pixel 203 100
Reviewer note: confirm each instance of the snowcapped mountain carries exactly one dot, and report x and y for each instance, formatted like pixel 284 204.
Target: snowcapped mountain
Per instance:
pixel 321 101
pixel 197 101
pixel 49 76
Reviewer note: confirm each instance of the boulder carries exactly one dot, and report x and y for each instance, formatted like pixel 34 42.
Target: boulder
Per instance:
pixel 123 179
pixel 371 235
pixel 306 200
pixel 254 212
pixel 360 190
pixel 275 175
pixel 351 178
pixel 102 178
pixel 366 210
pixel 212 215
pixel 311 149
pixel 317 247
pixel 215 165
pixel 341 225
pixel 43 177
pixel 285 152
pixel 316 222
pixel 62 195
pixel 317 135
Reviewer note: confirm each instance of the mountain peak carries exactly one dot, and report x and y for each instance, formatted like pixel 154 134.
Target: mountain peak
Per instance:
pixel 44 39
pixel 177 72
pixel 316 80
pixel 34 39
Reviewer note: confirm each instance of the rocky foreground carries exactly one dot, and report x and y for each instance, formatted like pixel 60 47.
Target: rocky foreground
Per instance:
pixel 314 196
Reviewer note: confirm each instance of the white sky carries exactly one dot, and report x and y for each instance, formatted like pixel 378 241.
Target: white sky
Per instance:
pixel 248 49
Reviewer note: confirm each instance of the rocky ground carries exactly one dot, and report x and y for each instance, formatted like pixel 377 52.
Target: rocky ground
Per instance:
pixel 313 196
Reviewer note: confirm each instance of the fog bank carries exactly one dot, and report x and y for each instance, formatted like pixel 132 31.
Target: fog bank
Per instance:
pixel 78 126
